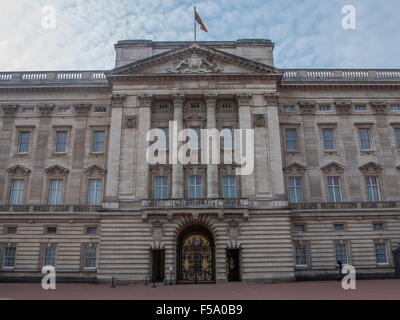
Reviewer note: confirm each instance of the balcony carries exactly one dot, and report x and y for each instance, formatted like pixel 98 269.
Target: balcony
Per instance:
pixel 197 203
pixel 44 208
pixel 344 205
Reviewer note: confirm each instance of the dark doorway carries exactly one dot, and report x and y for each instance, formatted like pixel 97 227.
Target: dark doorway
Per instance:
pixel 158 258
pixel 233 265
pixel 396 255
pixel 195 256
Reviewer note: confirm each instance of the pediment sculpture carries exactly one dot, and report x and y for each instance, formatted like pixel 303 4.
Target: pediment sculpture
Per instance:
pixel 195 64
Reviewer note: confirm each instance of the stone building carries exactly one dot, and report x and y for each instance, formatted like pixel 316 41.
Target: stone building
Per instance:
pixel 77 192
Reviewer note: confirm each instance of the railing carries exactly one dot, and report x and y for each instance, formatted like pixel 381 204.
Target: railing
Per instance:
pixel 344 205
pixel 343 75
pixel 51 76
pixel 196 203
pixel 44 208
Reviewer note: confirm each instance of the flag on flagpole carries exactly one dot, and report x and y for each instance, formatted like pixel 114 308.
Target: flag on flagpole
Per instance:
pixel 199 21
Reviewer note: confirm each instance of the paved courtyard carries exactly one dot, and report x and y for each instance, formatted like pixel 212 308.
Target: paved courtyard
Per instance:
pixel 327 290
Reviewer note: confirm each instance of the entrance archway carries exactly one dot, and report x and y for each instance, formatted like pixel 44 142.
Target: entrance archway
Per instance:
pixel 196 256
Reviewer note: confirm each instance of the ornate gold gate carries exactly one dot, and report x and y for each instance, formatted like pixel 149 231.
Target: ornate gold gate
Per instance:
pixel 196 258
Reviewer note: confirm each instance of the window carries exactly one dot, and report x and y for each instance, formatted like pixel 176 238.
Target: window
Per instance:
pixel 161 188
pixel 298 228
pixel 381 253
pixel 55 192
pixel 9 258
pixel 100 109
pixel 98 142
pixel 227 136
pixel 373 194
pixel 195 138
pixel 28 110
pixel 163 138
pixel 51 230
pixel 61 141
pixel 335 192
pixel 163 106
pixel 329 139
pixel 338 227
pixel 395 108
pixel 378 226
pixel 341 253
pixel 365 139
pixel 91 230
pixel 195 106
pixel 64 110
pixel 17 192
pixel 398 138
pixel 11 230
pixel 288 109
pixel 291 139
pixel 226 106
pixel 324 108
pixel 360 108
pixel 90 258
pixel 49 257
pixel 195 186
pixel 229 187
pixel 95 192
pixel 23 142
pixel 295 190
pixel 301 255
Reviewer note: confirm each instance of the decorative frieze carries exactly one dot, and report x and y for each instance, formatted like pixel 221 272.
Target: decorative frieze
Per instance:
pixel 118 100
pixel 307 107
pixel 46 110
pixel 10 109
pixel 130 122
pixel 195 64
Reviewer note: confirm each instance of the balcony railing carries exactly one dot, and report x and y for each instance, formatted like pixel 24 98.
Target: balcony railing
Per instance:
pixel 44 208
pixel 196 203
pixel 344 205
pixel 341 75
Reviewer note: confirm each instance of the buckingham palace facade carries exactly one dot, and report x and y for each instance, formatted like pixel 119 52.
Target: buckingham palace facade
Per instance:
pixel 77 191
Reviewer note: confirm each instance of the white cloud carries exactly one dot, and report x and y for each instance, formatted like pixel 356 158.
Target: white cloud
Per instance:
pixel 307 34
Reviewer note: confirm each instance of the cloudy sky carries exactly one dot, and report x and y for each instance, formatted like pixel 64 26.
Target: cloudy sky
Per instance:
pixel 307 33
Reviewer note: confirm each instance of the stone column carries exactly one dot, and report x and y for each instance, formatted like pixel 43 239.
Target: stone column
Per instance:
pixel 275 148
pixel 114 152
pixel 177 169
pixel 243 99
pixel 144 103
pixel 212 169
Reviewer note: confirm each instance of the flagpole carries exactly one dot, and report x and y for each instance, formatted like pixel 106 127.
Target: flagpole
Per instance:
pixel 194 23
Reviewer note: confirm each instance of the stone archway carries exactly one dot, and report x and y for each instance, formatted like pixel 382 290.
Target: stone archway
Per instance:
pixel 195 255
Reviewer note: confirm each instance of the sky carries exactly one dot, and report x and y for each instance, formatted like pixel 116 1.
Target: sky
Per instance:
pixel 306 33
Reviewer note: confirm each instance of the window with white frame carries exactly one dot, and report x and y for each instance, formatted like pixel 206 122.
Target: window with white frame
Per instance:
pixel 17 192
pixel 372 185
pixel 227 138
pixel 56 192
pixel 365 139
pixel 98 141
pixel 95 192
pixel 61 142
pixel 49 256
pixel 195 187
pixel 229 190
pixel 163 138
pixel 329 139
pixel 195 138
pixel 295 190
pixel 341 253
pixel 90 258
pixel 301 255
pixel 23 142
pixel 397 133
pixel 161 188
pixel 291 139
pixel 381 253
pixel 335 190
pixel 9 257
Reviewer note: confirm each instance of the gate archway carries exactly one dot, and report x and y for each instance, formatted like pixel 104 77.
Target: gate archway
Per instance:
pixel 196 256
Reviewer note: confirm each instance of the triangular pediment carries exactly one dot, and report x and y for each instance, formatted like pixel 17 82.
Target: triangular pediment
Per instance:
pixel 193 59
pixel 95 169
pixel 56 170
pixel 18 170
pixel 333 166
pixel 295 167
pixel 371 167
